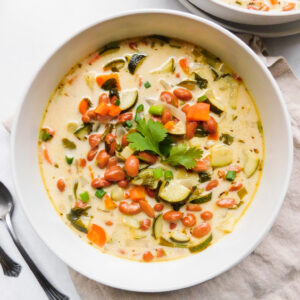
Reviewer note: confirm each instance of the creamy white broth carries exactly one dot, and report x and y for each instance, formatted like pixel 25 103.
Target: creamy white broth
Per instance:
pixel 266 5
pixel 124 237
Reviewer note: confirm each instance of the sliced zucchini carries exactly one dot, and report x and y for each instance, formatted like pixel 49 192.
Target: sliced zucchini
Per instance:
pixel 82 131
pixel 251 163
pixel 128 99
pixel 216 106
pixel 113 46
pixel 202 245
pixel 164 242
pixel 179 237
pixel 201 82
pixel 157 226
pixel 167 67
pixel 115 65
pixel 202 199
pixel 143 166
pixel 135 61
pixel 221 155
pixel 145 177
pixel 173 192
pixel 125 153
pixel 178 130
pixel 188 84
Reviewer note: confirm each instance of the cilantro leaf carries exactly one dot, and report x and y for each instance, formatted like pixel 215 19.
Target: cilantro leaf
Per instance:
pixel 166 145
pixel 148 136
pixel 180 155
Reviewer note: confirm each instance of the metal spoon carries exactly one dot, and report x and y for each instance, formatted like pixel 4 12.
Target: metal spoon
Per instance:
pixel 9 266
pixel 6 209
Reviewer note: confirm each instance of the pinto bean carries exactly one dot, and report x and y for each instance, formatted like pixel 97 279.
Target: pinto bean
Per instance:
pixel 82 162
pixel 110 144
pixel 150 192
pixel 124 141
pixel 99 183
pixel 206 215
pixel 85 118
pixel 61 185
pixel 212 184
pixel 92 114
pixel 183 94
pixel 158 207
pixel 148 158
pixel 113 161
pixel 226 202
pixel 123 183
pixel 128 208
pixel 169 98
pixel 194 207
pixel 114 173
pixel 235 187
pixel 189 220
pixel 211 125
pixel 166 116
pixel 132 166
pixel 201 230
pixel 172 215
pixel 125 117
pixel 92 153
pixel 94 139
pixel 190 129
pixel 103 98
pixel 102 159
pixel 145 224
pixel 147 208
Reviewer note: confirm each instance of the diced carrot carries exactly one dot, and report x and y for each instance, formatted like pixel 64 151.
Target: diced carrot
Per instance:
pixel 198 112
pixel 184 65
pixel 46 154
pixel 169 125
pixel 160 252
pixel 103 98
pixel 274 2
pixel 91 173
pixel 102 109
pixel 101 79
pixel 289 6
pixel 97 235
pixel 148 256
pixel 185 108
pixel 114 110
pixel 137 193
pixel 109 203
pixel 201 166
pixel 83 106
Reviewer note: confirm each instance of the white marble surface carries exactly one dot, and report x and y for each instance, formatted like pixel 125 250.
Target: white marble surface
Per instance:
pixel 29 31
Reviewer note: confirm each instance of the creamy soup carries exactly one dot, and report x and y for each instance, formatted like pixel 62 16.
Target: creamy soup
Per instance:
pixel 266 5
pixel 151 149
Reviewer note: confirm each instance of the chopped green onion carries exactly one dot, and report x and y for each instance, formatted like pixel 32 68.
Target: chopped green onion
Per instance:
pixel 202 98
pixel 230 175
pixel 128 124
pixel 69 160
pixel 100 193
pixel 157 173
pixel 147 84
pixel 140 108
pixel 168 175
pixel 85 197
pixel 156 110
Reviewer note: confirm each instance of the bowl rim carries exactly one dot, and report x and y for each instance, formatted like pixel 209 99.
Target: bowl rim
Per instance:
pixel 268 224
pixel 252 12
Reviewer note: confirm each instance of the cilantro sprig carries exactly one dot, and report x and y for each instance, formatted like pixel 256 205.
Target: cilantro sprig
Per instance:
pixel 148 136
pixel 152 136
pixel 181 155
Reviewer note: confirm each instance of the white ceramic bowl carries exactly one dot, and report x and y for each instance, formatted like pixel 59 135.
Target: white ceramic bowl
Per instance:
pixel 240 15
pixel 176 274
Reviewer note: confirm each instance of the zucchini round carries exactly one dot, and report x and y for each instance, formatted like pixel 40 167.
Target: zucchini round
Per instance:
pixel 157 227
pixel 179 237
pixel 128 99
pixel 115 65
pixel 173 192
pixel 178 129
pixel 188 84
pixel 167 67
pixel 135 61
pixel 201 246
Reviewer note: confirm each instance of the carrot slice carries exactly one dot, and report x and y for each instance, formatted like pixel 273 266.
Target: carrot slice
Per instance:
pixel 213 136
pixel 46 154
pixel 83 106
pixel 97 235
pixel 198 112
pixel 101 79
pixel 137 193
pixel 289 6
pixel 102 109
pixel 109 203
pixel 114 110
pixel 184 65
pixel 169 125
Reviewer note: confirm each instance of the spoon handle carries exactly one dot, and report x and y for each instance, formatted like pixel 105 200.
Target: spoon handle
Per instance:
pixel 10 267
pixel 50 290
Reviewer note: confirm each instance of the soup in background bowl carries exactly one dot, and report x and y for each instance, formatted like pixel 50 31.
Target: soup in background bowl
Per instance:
pixel 166 274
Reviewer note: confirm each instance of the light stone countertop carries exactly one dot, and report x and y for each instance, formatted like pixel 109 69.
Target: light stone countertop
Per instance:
pixel 29 32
